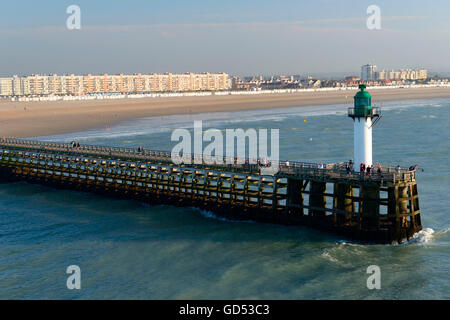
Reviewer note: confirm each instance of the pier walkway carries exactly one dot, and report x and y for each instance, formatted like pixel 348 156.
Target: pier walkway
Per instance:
pixel 301 170
pixel 382 208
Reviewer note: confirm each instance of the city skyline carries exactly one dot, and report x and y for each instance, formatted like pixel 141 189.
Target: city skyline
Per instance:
pixel 342 74
pixel 238 38
pixel 139 83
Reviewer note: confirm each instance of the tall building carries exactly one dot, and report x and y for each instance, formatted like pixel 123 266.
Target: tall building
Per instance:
pixel 368 72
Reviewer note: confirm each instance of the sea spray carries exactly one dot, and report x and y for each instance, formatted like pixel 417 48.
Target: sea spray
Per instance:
pixel 424 236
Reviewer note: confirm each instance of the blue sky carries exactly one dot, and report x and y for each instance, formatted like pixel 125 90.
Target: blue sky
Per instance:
pixel 238 37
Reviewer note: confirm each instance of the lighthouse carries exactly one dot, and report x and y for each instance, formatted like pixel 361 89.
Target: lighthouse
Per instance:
pixel 364 118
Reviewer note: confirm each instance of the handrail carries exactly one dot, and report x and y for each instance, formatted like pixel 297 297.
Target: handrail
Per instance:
pixel 330 170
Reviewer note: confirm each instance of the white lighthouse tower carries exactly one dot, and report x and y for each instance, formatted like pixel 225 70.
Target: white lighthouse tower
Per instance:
pixel 363 116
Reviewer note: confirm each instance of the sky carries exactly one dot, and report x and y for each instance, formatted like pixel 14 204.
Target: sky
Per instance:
pixel 238 37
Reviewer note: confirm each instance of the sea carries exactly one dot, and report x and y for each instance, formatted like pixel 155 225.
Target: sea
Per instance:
pixel 132 250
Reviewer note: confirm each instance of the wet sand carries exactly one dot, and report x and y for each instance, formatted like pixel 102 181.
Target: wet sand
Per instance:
pixel 29 119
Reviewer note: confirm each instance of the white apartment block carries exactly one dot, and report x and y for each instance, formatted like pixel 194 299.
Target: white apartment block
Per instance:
pixel 404 74
pixel 88 84
pixel 6 87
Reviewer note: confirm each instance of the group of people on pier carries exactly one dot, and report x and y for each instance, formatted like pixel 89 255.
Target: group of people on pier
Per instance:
pixel 370 169
pixel 140 149
pixel 75 144
pixel 363 169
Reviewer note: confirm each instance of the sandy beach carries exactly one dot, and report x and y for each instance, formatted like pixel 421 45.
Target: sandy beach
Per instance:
pixel 29 119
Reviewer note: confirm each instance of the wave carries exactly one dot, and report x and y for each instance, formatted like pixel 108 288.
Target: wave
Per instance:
pixel 424 236
pixel 429 235
pixel 444 231
pixel 211 215
pixel 429 116
pixel 343 254
pixel 327 256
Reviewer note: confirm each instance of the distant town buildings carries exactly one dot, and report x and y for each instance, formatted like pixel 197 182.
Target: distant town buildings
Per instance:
pixel 111 85
pixel 275 82
pixel 90 84
pixel 352 78
pixel 369 73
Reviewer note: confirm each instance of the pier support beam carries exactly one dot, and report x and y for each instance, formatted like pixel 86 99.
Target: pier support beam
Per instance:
pixel 343 201
pixel 317 199
pixel 7 175
pixel 370 202
pixel 403 212
pixel 295 197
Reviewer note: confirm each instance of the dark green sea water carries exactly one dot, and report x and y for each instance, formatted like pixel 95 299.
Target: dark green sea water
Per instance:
pixel 130 250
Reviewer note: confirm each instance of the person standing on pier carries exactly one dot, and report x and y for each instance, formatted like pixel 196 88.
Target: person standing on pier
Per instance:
pixel 379 169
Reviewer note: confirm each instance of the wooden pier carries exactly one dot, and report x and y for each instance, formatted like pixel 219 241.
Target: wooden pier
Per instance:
pixel 378 208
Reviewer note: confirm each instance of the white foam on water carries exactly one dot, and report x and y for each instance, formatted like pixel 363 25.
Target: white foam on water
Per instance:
pixel 429 116
pixel 327 256
pixel 341 255
pixel 424 236
pixel 350 244
pixel 438 234
pixel 210 215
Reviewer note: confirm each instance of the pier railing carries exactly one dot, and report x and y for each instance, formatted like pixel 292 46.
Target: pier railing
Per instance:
pixel 338 171
pixel 327 172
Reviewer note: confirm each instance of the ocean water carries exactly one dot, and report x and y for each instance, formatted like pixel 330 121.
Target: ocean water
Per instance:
pixel 130 250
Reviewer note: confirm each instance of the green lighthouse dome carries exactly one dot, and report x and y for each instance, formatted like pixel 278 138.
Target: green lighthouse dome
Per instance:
pixel 363 102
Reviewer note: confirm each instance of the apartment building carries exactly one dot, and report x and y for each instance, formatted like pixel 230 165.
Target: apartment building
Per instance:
pixel 403 74
pixel 89 84
pixel 6 87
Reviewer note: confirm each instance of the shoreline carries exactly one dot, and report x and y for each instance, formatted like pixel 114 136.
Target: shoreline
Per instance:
pixel 31 119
